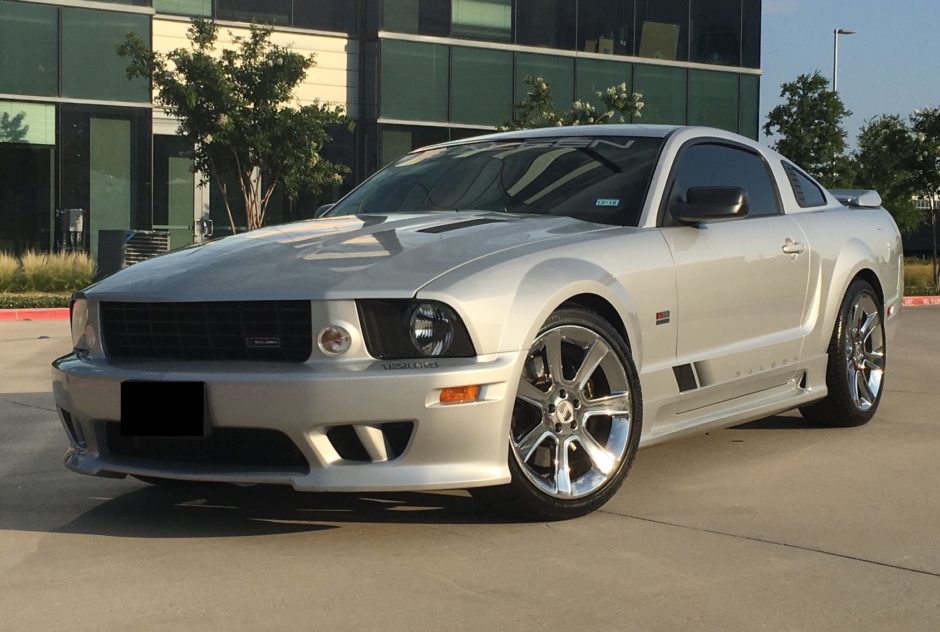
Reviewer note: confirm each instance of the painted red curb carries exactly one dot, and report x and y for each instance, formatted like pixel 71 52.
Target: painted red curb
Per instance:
pixel 920 301
pixel 43 313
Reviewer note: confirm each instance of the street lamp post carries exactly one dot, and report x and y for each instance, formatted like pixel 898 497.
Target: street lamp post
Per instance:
pixel 835 56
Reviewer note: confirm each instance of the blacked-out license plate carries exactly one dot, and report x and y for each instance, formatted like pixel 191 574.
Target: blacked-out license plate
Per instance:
pixel 163 409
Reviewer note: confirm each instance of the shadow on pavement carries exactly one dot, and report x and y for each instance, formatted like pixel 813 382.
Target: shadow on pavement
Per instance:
pixel 232 511
pixel 778 422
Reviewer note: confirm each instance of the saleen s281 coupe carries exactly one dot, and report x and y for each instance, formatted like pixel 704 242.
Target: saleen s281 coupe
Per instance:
pixel 514 314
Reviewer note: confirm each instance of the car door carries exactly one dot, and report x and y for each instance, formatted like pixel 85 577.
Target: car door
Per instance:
pixel 742 283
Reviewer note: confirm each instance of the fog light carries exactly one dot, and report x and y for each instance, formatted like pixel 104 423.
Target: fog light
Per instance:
pixel 334 340
pixel 460 394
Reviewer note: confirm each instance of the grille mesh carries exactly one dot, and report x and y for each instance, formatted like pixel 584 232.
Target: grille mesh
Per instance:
pixel 225 330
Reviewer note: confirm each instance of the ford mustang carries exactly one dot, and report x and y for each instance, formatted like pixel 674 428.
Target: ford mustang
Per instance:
pixel 514 314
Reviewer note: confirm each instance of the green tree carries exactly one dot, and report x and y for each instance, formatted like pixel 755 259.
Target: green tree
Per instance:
pixel 235 106
pixel 925 126
pixel 809 129
pixel 884 161
pixel 538 110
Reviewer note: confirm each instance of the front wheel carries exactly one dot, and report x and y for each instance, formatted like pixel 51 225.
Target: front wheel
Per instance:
pixel 575 424
pixel 857 360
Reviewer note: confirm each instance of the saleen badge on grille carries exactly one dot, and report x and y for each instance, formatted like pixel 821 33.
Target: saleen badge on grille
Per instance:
pixel 262 343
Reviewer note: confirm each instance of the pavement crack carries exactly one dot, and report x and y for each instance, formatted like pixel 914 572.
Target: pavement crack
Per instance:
pixel 773 542
pixel 25 405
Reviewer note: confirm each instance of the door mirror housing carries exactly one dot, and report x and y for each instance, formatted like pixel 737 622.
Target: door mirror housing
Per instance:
pixel 322 210
pixel 710 204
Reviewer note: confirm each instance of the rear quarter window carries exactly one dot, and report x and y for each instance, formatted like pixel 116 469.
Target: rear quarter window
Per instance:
pixel 807 193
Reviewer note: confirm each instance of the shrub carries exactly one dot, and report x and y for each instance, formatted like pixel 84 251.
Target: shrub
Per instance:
pixel 61 272
pixel 9 271
pixel 26 301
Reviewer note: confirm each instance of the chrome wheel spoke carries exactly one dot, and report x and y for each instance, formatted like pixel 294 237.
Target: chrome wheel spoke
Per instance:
pixel 602 460
pixel 553 355
pixel 874 360
pixel 868 326
pixel 864 391
pixel 615 405
pixel 592 359
pixel 530 394
pixel 533 439
pixel 562 469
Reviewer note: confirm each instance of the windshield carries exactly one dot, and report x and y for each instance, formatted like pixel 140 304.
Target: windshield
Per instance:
pixel 603 180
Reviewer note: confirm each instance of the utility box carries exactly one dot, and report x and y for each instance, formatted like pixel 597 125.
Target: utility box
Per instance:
pixel 118 249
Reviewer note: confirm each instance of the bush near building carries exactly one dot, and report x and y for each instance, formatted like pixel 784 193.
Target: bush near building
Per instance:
pixel 40 272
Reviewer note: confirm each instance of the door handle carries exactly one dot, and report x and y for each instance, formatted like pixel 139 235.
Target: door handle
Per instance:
pixel 791 247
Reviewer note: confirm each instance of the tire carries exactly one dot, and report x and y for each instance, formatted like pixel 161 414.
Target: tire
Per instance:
pixel 576 421
pixel 857 360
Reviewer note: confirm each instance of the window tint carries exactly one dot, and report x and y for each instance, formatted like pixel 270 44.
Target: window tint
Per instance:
pixel 606 26
pixel 807 193
pixel 713 165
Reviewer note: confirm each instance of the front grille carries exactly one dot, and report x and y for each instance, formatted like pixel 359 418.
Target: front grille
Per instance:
pixel 234 448
pixel 276 331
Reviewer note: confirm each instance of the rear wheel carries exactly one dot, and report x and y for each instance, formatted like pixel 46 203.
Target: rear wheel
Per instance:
pixel 576 421
pixel 857 360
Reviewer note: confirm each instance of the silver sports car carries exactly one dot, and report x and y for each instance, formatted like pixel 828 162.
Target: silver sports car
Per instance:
pixel 515 314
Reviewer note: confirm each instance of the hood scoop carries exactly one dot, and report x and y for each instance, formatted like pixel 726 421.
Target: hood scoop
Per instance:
pixel 446 228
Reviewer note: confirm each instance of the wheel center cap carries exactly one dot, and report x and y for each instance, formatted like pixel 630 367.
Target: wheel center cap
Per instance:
pixel 564 411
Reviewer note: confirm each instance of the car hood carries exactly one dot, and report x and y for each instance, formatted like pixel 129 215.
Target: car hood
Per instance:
pixel 333 258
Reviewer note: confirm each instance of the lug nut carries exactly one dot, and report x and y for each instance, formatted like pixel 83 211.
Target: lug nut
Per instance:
pixel 557 427
pixel 551 408
pixel 577 403
pixel 562 394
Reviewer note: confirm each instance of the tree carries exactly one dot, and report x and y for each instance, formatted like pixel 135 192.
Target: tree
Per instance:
pixel 925 125
pixel 884 161
pixel 234 106
pixel 809 126
pixel 538 110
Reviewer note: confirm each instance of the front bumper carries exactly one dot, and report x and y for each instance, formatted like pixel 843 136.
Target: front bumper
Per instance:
pixel 451 446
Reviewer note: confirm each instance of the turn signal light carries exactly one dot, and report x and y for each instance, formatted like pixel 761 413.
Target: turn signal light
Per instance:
pixel 460 394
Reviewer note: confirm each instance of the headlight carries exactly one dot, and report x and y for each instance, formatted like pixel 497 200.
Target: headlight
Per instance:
pixel 78 309
pixel 413 329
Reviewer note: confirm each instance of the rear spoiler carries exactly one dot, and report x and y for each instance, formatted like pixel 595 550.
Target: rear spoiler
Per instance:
pixel 857 198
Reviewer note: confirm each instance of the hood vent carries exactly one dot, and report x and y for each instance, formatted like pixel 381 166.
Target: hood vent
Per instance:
pixel 446 228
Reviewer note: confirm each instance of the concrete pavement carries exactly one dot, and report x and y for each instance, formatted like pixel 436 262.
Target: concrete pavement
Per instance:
pixel 775 525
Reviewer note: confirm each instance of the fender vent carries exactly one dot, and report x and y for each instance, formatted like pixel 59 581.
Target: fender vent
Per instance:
pixel 371 443
pixel 446 228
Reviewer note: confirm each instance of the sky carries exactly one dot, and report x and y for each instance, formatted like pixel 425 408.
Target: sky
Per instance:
pixel 891 66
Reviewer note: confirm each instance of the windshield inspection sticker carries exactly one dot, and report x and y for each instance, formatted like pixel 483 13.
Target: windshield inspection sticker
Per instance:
pixel 607 202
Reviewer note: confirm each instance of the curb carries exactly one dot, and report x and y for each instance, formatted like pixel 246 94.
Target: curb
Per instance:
pixel 921 301
pixel 43 313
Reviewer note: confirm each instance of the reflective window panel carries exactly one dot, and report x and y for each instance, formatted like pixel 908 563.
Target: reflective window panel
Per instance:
pixel 663 29
pixel 405 65
pixel 28 49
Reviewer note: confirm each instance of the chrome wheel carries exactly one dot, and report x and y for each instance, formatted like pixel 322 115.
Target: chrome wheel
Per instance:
pixel 864 352
pixel 573 413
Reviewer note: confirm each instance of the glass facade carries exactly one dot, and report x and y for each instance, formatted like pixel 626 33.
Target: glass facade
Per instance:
pixel 713 99
pixel 720 32
pixel 322 15
pixel 28 49
pixel 414 82
pixel 481 85
pixel 557 71
pixel 91 68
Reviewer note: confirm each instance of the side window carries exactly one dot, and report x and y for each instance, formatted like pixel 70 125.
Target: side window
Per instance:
pixel 807 193
pixel 714 165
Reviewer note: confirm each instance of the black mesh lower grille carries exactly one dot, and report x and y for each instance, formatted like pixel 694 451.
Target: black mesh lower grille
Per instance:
pixel 223 330
pixel 224 447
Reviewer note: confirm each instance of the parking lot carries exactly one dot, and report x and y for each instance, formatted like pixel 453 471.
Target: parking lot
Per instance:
pixel 775 525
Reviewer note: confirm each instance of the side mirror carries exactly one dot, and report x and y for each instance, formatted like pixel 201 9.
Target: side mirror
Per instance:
pixel 322 210
pixel 709 204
